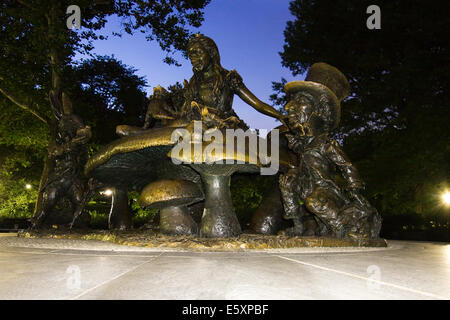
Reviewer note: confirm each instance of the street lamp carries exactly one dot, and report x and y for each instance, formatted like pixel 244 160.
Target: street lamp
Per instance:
pixel 28 186
pixel 445 197
pixel 108 192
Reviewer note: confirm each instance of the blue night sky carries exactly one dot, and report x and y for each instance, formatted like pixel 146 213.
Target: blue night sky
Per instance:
pixel 249 34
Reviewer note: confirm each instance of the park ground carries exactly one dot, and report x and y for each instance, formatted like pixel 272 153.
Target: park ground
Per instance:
pixel 88 269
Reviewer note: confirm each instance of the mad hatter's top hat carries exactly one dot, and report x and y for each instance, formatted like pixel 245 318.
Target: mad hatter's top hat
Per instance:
pixel 323 79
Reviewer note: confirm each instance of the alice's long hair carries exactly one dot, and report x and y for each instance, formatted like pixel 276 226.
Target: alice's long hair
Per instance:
pixel 210 47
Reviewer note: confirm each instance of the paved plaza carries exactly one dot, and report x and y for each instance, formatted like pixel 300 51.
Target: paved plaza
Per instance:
pixel 77 269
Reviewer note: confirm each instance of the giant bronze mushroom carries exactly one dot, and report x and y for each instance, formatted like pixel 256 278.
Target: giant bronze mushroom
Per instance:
pixel 172 197
pixel 131 162
pixel 215 168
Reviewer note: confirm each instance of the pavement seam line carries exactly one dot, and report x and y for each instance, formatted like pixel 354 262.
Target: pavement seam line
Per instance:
pixel 104 255
pixel 366 279
pixel 55 252
pixel 114 278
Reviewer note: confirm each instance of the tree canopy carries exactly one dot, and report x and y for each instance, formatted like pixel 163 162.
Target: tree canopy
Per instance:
pixel 394 123
pixel 37 45
pixel 106 93
pixel 36 56
pixel 24 139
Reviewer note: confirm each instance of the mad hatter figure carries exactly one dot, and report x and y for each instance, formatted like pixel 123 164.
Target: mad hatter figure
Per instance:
pixel 310 194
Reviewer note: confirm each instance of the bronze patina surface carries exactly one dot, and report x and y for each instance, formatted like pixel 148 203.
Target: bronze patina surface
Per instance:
pixel 219 218
pixel 120 216
pixel 172 198
pixel 165 192
pixel 151 138
pixel 141 156
pixel 268 217
pixel 311 196
pixel 214 87
pixel 132 162
pixel 65 185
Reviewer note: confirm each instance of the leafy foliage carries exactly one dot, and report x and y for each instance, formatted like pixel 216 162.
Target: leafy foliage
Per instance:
pixel 106 93
pixel 394 123
pixel 35 39
pixel 162 20
pixel 247 193
pixel 16 171
pixel 141 215
pixel 391 71
pixel 23 145
pixel 36 55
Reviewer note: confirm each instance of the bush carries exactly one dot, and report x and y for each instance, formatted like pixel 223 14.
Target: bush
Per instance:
pixel 141 215
pixel 247 193
pixel 15 200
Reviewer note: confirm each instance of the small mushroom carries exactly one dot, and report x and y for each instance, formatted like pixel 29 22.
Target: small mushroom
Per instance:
pixel 120 216
pixel 172 197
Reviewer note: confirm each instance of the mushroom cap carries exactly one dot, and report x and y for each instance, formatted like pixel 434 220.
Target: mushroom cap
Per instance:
pixel 134 161
pixel 166 193
pixel 155 137
pixel 238 160
pixel 243 155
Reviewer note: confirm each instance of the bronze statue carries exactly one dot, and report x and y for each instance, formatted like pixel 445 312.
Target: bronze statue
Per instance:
pixel 67 157
pixel 208 96
pixel 164 110
pixel 209 93
pixel 159 109
pixel 311 197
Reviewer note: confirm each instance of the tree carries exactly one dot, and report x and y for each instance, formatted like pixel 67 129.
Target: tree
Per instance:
pixel 23 145
pixel 37 45
pixel 393 122
pixel 107 93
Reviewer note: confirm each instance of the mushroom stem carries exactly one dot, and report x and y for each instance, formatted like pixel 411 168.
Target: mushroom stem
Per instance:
pixel 120 215
pixel 176 220
pixel 219 219
pixel 268 218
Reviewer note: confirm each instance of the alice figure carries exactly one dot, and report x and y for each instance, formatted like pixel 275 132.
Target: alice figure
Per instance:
pixel 210 91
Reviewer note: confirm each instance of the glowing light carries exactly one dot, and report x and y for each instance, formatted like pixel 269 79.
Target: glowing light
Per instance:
pixel 107 192
pixel 447 253
pixel 446 197
pixel 28 186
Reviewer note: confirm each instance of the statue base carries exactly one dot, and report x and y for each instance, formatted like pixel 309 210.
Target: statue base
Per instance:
pixel 244 242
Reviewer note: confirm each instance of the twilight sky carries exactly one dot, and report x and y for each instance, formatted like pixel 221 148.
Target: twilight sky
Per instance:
pixel 249 34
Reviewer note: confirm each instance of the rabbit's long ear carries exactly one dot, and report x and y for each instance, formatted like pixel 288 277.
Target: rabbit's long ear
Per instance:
pixel 67 104
pixel 55 104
